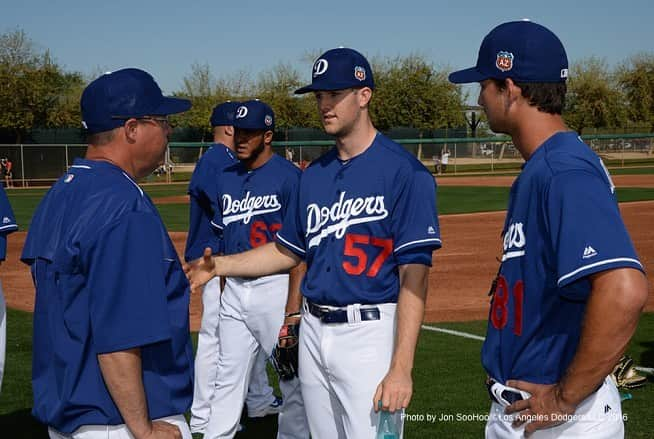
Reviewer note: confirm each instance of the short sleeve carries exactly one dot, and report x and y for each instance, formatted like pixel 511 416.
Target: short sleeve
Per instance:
pixel 126 281
pixel 586 230
pixel 203 203
pixel 201 233
pixel 291 235
pixel 414 219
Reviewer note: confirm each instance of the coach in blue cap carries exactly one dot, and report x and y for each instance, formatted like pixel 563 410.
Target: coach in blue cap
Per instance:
pixel 112 354
pixel 570 288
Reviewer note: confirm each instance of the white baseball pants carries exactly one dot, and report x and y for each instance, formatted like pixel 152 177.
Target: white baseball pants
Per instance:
pixel 598 417
pixel 341 365
pixel 251 314
pixel 260 393
pixel 117 431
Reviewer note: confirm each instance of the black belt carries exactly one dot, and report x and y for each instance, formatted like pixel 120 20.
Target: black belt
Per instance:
pixel 508 395
pixel 327 315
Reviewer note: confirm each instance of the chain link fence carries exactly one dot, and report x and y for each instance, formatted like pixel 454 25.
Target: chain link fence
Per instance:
pixel 41 164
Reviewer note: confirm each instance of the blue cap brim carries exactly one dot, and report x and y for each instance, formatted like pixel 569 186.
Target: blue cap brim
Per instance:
pixel 466 76
pixel 331 87
pixel 171 106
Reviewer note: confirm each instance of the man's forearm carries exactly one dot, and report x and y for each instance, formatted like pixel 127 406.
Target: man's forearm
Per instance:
pixel 122 375
pixel 410 313
pixel 612 312
pixel 268 259
pixel 294 300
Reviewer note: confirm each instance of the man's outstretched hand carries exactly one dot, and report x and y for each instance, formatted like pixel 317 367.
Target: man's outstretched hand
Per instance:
pixel 201 270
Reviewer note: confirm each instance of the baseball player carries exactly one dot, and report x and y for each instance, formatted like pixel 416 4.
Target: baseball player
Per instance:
pixel 253 194
pixel 7 226
pixel 112 353
pixel 366 225
pixel 570 287
pixel 203 198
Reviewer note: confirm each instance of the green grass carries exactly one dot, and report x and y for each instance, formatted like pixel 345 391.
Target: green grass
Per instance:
pixel 451 199
pixel 448 381
pixel 466 199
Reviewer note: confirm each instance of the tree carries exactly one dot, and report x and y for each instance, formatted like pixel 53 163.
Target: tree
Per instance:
pixel 276 87
pixel 636 77
pixel 205 92
pixel 412 93
pixel 594 97
pixel 34 90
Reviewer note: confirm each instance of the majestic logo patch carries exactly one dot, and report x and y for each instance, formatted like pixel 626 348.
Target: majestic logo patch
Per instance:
pixel 320 67
pixel 342 214
pixel 6 220
pixel 589 252
pixel 514 242
pixel 504 61
pixel 247 207
pixel 431 230
pixel 69 178
pixel 241 112
pixel 360 73
pixel 564 73
pixel 268 120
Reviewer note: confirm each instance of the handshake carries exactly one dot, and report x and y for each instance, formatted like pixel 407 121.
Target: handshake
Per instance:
pixel 201 270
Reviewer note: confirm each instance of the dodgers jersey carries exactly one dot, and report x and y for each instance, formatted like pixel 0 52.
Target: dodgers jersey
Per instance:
pixel 254 202
pixel 107 279
pixel 562 225
pixel 203 195
pixel 7 222
pixel 357 220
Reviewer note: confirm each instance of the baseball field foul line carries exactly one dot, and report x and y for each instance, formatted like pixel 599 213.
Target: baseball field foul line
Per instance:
pixel 452 332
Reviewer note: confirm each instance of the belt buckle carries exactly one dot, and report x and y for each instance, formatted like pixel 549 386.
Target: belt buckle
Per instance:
pixel 504 395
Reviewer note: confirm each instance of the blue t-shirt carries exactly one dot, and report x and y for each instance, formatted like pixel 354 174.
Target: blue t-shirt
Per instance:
pixel 254 202
pixel 107 279
pixel 356 221
pixel 7 222
pixel 562 225
pixel 203 195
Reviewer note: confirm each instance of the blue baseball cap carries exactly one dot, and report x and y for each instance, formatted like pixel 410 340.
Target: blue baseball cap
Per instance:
pixel 338 69
pixel 254 115
pixel 223 114
pixel 116 96
pixel 521 50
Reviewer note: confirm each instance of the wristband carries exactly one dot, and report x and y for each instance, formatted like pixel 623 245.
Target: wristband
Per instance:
pixel 293 314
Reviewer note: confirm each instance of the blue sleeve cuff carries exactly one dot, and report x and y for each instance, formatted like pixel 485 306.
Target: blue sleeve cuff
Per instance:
pixel 416 255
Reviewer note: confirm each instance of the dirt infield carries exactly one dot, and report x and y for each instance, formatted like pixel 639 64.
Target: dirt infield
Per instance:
pixel 645 180
pixel 458 281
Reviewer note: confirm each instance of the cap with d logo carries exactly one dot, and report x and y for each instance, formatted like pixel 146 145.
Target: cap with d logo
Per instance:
pixel 254 115
pixel 338 69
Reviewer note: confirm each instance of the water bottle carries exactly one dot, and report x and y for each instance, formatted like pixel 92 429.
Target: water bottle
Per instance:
pixel 386 429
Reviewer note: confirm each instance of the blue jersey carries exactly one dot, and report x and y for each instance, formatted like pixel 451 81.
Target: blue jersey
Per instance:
pixel 563 224
pixel 203 195
pixel 107 279
pixel 356 221
pixel 254 202
pixel 7 222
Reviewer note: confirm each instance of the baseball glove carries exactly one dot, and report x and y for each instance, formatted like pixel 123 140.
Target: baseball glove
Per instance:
pixel 285 358
pixel 625 376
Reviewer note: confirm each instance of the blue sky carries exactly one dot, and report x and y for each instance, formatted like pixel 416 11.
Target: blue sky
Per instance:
pixel 166 37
